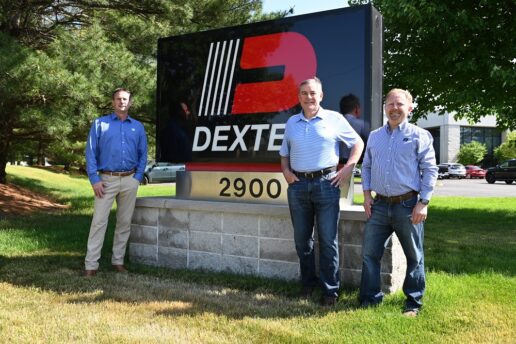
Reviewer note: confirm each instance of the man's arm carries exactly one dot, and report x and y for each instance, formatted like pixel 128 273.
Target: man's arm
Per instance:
pixel 290 177
pixel 142 155
pixel 347 170
pixel 91 161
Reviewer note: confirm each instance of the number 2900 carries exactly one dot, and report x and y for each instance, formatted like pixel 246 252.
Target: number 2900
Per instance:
pixel 256 188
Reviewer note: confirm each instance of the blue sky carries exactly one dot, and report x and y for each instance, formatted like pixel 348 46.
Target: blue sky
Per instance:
pixel 303 6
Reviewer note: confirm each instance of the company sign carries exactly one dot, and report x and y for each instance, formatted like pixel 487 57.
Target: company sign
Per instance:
pixel 225 95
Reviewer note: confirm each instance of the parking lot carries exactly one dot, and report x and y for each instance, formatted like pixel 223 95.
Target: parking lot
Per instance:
pixel 468 188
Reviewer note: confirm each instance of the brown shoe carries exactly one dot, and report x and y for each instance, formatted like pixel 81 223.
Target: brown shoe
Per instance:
pixel 120 268
pixel 411 313
pixel 90 273
pixel 306 293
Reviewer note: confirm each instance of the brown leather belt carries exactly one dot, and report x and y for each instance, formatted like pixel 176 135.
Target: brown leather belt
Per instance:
pixel 315 174
pixel 117 174
pixel 397 199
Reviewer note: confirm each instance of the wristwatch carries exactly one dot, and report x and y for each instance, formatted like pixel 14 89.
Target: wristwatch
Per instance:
pixel 424 201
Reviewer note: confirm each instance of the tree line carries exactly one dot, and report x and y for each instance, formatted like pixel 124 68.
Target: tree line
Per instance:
pixel 60 60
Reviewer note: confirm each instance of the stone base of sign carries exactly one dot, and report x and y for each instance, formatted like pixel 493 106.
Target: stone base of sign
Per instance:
pixel 243 238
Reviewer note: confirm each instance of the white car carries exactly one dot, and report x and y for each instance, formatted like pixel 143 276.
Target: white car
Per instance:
pixel 455 170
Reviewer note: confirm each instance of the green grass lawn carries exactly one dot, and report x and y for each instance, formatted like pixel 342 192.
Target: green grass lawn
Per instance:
pixel 470 261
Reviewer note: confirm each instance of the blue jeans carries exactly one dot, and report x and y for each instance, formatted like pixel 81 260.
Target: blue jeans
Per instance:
pixel 385 219
pixel 316 201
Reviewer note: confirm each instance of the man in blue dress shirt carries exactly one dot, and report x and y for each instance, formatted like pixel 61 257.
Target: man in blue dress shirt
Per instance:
pixel 116 155
pixel 399 166
pixel 309 158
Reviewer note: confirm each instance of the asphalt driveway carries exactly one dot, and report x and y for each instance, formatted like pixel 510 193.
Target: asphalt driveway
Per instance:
pixel 468 188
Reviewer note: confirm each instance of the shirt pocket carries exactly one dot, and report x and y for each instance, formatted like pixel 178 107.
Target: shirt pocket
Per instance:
pixel 407 148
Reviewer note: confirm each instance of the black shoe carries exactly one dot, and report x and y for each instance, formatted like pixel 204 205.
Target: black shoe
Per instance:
pixel 329 301
pixel 306 292
pixel 368 304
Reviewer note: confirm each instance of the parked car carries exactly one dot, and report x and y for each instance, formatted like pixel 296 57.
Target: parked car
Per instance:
pixel 443 172
pixel 506 171
pixel 161 172
pixel 473 171
pixel 357 172
pixel 455 170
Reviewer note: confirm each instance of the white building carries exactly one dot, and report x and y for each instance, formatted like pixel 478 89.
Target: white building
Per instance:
pixel 449 134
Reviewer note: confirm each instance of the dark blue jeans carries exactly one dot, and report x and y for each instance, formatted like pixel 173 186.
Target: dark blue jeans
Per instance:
pixel 385 219
pixel 316 201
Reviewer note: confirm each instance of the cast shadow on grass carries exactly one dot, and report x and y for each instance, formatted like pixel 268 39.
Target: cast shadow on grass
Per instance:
pixel 183 292
pixel 469 241
pixel 76 202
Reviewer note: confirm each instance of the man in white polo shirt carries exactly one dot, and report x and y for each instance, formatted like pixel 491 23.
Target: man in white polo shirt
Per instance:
pixel 309 158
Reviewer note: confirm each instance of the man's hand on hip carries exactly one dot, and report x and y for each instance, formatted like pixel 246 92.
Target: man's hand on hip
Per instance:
pixel 343 174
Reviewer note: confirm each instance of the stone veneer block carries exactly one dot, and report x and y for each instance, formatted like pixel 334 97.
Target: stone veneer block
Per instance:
pixel 254 239
pixel 399 265
pixel 204 261
pixel 278 269
pixel 144 254
pixel 177 219
pixel 143 235
pixel 351 232
pixel 278 249
pixel 171 237
pixel 238 245
pixel 205 242
pixel 173 258
pixel 205 221
pixel 145 216
pixel 351 256
pixel 240 265
pixel 240 224
pixel 350 278
pixel 276 227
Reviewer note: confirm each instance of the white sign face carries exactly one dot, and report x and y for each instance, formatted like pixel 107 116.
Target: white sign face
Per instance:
pixel 247 187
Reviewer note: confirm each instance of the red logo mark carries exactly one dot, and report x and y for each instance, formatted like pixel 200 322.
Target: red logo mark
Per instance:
pixel 289 49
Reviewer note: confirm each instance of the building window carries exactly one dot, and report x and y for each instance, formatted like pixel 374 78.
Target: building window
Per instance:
pixel 436 134
pixel 492 137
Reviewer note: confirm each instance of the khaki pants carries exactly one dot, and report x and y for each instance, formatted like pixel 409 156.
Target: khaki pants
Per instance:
pixel 123 189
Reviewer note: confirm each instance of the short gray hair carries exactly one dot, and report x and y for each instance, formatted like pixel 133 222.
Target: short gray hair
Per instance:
pixel 307 81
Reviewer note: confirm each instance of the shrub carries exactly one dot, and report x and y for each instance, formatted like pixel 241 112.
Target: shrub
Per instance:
pixel 507 150
pixel 471 153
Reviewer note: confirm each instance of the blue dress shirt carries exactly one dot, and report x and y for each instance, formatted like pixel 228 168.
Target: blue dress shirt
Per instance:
pixel 114 145
pixel 313 144
pixel 398 161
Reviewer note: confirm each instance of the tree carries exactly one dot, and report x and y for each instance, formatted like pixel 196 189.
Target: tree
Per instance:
pixel 60 60
pixel 507 150
pixel 472 153
pixel 454 56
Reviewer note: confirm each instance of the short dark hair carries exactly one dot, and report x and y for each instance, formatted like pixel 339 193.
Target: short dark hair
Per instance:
pixel 348 103
pixel 122 89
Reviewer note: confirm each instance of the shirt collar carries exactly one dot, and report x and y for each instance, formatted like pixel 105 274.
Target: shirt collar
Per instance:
pixel 402 126
pixel 320 114
pixel 114 117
